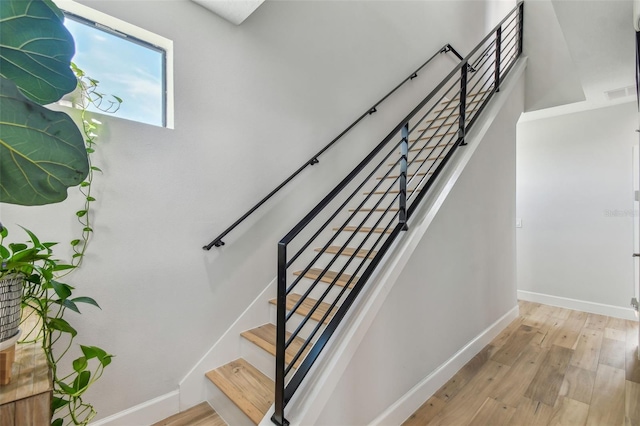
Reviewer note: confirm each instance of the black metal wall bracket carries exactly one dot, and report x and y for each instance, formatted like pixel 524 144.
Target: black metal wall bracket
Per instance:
pixel 313 161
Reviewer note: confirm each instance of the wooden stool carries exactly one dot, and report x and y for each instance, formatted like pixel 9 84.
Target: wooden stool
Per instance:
pixel 6 363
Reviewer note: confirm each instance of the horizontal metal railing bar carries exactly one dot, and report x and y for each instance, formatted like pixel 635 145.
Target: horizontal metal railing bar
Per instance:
pixel 438 102
pixel 315 350
pixel 329 288
pixel 217 242
pixel 327 267
pixel 431 174
pixel 304 368
pixel 297 280
pixel 364 181
pixel 315 330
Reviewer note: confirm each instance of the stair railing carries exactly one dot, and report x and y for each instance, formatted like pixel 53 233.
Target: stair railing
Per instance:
pixel 396 175
pixel 218 242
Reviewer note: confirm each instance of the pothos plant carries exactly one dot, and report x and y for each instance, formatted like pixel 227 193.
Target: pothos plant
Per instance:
pixel 42 154
pixel 48 298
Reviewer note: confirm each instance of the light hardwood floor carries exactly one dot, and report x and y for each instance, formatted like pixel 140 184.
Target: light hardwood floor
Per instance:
pixel 551 366
pixel 200 415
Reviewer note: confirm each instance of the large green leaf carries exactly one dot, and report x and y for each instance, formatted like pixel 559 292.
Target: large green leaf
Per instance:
pixel 42 152
pixel 36 49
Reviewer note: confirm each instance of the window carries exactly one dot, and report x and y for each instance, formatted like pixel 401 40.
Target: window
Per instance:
pixel 129 62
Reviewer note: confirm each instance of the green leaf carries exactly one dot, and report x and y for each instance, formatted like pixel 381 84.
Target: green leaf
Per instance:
pixel 4 252
pixel 93 352
pixel 17 247
pixel 82 381
pixel 36 50
pixel 41 151
pixel 97 169
pixel 106 360
pixel 87 229
pixel 62 290
pixel 117 99
pixel 75 243
pixel 80 364
pixel 66 388
pixel 4 231
pixel 90 199
pixel 90 150
pixel 58 422
pixel 84 184
pixel 58 403
pixel 81 213
pixel 62 326
pixel 34 239
pixel 84 299
pixel 63 267
pixel 68 304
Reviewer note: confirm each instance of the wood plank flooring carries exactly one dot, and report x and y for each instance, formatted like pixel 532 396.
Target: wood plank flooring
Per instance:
pixel 551 366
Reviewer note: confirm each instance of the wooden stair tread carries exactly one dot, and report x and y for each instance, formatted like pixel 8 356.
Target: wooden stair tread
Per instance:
pixel 200 415
pixel 329 277
pixel 409 176
pixel 391 191
pixel 431 147
pixel 246 386
pixel 429 137
pixel 364 229
pixel 265 338
pixel 420 160
pixel 349 251
pixel 306 306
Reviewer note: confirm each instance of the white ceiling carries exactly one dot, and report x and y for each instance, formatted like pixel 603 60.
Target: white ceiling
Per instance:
pixel 234 11
pixel 578 50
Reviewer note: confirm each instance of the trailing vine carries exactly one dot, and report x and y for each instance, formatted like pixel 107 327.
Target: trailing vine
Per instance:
pixel 89 96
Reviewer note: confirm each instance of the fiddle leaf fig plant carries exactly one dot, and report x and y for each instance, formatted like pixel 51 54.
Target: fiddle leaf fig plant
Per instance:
pixel 42 152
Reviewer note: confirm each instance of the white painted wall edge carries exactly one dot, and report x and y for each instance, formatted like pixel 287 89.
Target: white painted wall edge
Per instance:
pixel 227 348
pixel 147 413
pixel 308 402
pixel 412 400
pixel 578 305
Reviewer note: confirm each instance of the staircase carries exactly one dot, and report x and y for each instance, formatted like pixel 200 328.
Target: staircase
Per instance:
pixel 252 390
pixel 328 257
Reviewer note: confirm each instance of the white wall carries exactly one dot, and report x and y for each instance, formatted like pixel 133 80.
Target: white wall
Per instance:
pixel 459 281
pixel 252 102
pixel 575 198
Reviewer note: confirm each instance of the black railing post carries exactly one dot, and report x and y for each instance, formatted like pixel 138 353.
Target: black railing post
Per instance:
pixel 463 104
pixel 521 27
pixel 281 306
pixel 404 153
pixel 498 57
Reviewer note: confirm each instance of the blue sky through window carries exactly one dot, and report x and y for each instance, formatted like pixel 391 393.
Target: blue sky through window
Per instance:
pixel 124 68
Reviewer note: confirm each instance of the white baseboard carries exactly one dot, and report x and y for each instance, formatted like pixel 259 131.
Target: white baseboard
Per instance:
pixel 578 305
pixel 412 400
pixel 144 414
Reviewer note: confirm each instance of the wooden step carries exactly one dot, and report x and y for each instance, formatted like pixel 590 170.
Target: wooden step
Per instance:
pixel 200 415
pixel 419 174
pixel 458 106
pixel 329 277
pixel 349 251
pixel 436 136
pixel 431 146
pixel 265 337
pixel 305 307
pixel 391 191
pixel 246 386
pixel 421 160
pixel 364 229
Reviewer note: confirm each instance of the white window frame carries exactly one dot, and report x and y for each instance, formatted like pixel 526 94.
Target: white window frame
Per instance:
pixel 137 32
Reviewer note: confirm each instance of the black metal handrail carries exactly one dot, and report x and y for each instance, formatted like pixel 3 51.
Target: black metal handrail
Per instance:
pixel 419 148
pixel 217 242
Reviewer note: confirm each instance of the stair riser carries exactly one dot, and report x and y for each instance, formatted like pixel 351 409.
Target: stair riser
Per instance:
pixel 258 357
pixel 293 323
pixel 225 408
